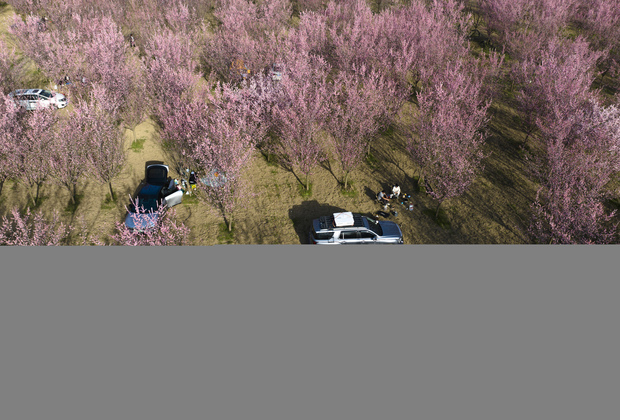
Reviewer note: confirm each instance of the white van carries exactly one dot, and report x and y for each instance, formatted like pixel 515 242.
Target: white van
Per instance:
pixel 33 98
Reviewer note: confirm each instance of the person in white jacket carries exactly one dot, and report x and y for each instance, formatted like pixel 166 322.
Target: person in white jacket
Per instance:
pixel 395 191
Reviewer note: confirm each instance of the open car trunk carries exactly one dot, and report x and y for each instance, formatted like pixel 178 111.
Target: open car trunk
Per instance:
pixel 156 173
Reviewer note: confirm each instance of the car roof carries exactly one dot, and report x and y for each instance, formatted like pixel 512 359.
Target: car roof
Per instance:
pixel 27 91
pixel 150 190
pixel 329 222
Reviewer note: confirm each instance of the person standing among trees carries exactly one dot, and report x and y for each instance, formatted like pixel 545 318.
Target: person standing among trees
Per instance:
pixel 192 181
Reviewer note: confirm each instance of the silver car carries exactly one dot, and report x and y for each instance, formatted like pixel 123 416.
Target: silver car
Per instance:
pixel 352 228
pixel 276 71
pixel 32 99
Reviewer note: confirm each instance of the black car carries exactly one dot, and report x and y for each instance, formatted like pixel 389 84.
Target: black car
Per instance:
pixel 156 188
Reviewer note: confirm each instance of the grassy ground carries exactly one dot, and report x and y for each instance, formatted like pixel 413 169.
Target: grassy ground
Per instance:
pixel 494 210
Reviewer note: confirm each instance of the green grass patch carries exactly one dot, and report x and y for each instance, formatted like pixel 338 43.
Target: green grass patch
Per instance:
pixel 190 200
pixel 108 202
pixel 36 78
pixel 224 236
pixel 416 181
pixel 513 208
pixel 441 219
pixel 271 160
pixel 305 193
pixel 389 131
pixel 277 187
pixel 167 145
pixel 71 206
pixel 371 161
pixel 137 145
pixel 35 206
pixel 350 191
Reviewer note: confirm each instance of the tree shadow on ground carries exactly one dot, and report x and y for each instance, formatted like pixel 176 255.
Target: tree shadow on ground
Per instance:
pixel 326 164
pixel 302 215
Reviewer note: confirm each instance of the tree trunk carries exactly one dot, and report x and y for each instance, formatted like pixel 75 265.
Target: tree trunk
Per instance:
pixel 346 179
pixel 229 223
pixel 604 73
pixel 437 210
pixel 307 185
pixel 420 177
pixel 111 192
pixel 36 197
pixel 72 191
pixel 1 185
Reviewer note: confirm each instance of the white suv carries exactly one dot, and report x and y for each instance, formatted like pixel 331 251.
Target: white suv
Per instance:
pixel 353 228
pixel 38 98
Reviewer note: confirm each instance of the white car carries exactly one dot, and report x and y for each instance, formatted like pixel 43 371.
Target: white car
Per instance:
pixel 32 99
pixel 353 228
pixel 276 71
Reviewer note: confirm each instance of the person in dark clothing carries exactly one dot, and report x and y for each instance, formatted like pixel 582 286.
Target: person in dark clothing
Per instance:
pixel 383 198
pixel 192 180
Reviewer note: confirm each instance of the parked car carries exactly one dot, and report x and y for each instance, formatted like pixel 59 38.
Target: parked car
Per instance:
pixel 353 228
pixel 156 188
pixel 38 98
pixel 276 71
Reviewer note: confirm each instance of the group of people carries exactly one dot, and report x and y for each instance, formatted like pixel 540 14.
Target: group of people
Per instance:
pixel 384 198
pixel 183 185
pixel 66 81
pixel 42 24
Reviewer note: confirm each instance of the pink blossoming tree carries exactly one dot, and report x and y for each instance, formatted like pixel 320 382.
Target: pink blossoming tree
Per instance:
pixel 32 229
pixel 11 132
pixel 582 156
pixel 166 231
pixel 34 151
pixel 300 115
pixel 450 132
pixel 71 150
pixel 223 156
pixel 361 106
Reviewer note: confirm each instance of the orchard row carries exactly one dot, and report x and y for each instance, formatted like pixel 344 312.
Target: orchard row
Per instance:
pixel 204 72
